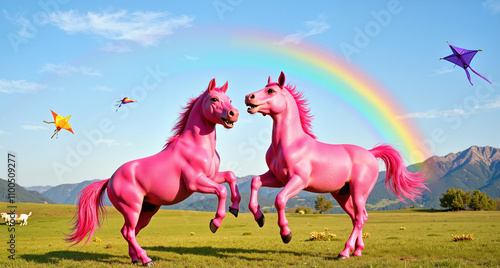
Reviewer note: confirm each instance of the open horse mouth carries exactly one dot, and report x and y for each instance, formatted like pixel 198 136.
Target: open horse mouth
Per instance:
pixel 252 108
pixel 227 123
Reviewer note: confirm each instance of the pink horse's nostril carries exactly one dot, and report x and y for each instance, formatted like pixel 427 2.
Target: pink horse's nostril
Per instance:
pixel 252 96
pixel 233 114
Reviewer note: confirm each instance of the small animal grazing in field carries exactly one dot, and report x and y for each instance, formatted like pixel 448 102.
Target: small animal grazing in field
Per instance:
pixel 297 161
pixel 3 215
pixel 187 164
pixel 23 218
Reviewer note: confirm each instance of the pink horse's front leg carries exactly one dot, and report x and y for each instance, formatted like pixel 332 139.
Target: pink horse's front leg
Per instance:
pixel 230 178
pixel 202 184
pixel 292 188
pixel 268 180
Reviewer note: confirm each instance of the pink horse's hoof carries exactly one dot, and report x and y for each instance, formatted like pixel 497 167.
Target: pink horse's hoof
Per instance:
pixel 261 221
pixel 135 262
pixel 234 212
pixel 342 257
pixel 149 264
pixel 286 238
pixel 213 228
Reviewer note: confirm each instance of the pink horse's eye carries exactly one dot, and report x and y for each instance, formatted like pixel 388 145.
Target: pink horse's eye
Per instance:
pixel 215 100
pixel 270 91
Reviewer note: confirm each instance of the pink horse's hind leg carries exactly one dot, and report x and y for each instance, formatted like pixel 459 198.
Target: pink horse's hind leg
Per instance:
pixel 128 231
pixel 345 202
pixel 147 212
pixel 230 178
pixel 268 180
pixel 363 180
pixel 359 241
pixel 130 208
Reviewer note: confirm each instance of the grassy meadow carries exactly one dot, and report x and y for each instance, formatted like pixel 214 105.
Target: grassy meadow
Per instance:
pixel 183 239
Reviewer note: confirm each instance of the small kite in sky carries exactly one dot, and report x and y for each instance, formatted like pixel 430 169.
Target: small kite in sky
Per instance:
pixel 61 123
pixel 123 101
pixel 463 57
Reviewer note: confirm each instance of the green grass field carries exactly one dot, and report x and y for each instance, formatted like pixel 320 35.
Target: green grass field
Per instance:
pixel 425 242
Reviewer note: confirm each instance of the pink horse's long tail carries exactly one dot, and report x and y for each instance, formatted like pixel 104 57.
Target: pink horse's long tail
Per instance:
pixel 89 210
pixel 398 178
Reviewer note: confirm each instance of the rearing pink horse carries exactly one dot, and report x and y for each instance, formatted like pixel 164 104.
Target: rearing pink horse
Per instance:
pixel 188 163
pixel 297 161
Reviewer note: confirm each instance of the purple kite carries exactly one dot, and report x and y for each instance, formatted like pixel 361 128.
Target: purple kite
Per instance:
pixel 463 57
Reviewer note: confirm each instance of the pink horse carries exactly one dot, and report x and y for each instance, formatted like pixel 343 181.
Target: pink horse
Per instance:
pixel 187 164
pixel 297 161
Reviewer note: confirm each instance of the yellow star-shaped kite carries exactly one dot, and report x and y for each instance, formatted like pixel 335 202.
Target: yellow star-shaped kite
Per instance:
pixel 61 123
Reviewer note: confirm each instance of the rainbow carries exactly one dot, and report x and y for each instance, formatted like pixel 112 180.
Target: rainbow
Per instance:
pixel 247 49
pixel 347 82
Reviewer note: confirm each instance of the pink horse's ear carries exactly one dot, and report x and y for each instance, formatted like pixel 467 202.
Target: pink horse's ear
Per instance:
pixel 224 87
pixel 211 85
pixel 281 80
pixel 269 81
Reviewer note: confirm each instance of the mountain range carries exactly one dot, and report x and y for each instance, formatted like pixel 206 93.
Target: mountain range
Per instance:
pixel 476 168
pixel 21 195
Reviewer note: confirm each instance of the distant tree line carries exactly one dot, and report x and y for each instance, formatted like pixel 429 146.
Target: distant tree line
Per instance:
pixel 321 205
pixel 457 199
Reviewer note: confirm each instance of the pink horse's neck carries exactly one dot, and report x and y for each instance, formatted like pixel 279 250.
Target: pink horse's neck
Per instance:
pixel 286 125
pixel 199 130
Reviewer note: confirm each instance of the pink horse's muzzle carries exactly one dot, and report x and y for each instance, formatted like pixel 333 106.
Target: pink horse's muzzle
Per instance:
pixel 252 103
pixel 232 117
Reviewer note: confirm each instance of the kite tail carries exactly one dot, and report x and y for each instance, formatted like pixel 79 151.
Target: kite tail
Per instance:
pixel 479 75
pixel 55 132
pixel 468 75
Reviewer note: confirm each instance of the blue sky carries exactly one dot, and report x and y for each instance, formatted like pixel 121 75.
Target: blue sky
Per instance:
pixel 78 58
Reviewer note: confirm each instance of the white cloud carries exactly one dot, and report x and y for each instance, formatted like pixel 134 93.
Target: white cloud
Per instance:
pixel 19 86
pixel 108 142
pixel 493 104
pixel 32 127
pixel 437 114
pixel 191 58
pixel 144 28
pixel 312 28
pixel 492 5
pixel 2 132
pixel 101 88
pixel 116 47
pixel 442 71
pixel 427 114
pixel 434 113
pixel 64 69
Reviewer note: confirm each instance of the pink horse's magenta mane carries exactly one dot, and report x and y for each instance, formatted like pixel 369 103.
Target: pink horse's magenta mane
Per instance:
pixel 182 120
pixel 180 125
pixel 304 111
